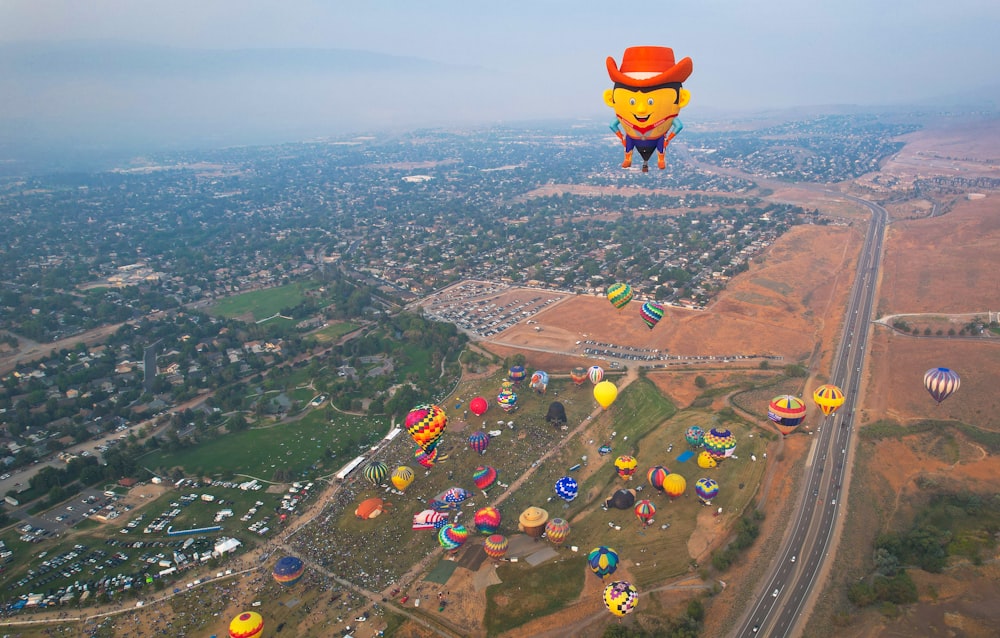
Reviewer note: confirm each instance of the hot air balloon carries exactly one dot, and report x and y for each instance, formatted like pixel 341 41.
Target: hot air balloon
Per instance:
pixel 479 441
pixel 720 443
pixel 651 312
pixel 828 398
pixel 369 508
pixel 625 466
pixel 248 624
pixel 517 374
pixel 506 384
pixel 426 424
pixel 567 488
pixel 487 520
pixel 578 375
pixel 619 295
pixel 621 597
pixel 603 561
pixel 595 374
pixel 605 392
pixel 694 436
pixel 449 499
pixel 402 477
pixel 452 536
pixel 429 519
pixel 532 521
pixel 556 414
pixel 484 476
pixel 941 382
pixel 375 472
pixel 288 571
pixel 645 511
pixel 495 546
pixel 655 476
pixel 787 412
pixel 674 485
pixel 425 459
pixel 556 530
pixel 479 406
pixel 539 381
pixel 706 461
pixel 706 489
pixel 507 400
pixel 647 97
pixel 622 499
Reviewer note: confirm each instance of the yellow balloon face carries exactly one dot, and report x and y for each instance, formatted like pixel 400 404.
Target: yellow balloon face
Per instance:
pixel 647 112
pixel 605 392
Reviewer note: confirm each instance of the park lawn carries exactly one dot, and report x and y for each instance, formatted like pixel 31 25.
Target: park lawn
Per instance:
pixel 334 331
pixel 527 593
pixel 263 303
pixel 299 447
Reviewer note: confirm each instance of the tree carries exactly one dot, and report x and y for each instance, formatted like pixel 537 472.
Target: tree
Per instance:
pixel 700 382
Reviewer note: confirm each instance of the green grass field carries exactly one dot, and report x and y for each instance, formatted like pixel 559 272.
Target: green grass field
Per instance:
pixel 334 331
pixel 262 303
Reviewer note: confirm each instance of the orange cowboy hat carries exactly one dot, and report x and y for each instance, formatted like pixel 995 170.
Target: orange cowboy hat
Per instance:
pixel 648 66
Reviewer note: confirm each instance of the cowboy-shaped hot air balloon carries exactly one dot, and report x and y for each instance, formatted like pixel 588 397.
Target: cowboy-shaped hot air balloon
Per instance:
pixel 647 97
pixel 619 295
pixel 603 561
pixel 621 597
pixel 625 466
pixel 787 412
pixel 828 398
pixel 426 424
pixel 479 441
pixel 651 313
pixel 941 382
pixel 487 520
pixel 532 521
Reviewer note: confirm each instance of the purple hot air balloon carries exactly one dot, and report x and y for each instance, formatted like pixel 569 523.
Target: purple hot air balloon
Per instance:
pixel 479 441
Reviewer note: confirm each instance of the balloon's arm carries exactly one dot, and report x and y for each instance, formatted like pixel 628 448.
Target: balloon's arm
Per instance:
pixel 616 128
pixel 675 127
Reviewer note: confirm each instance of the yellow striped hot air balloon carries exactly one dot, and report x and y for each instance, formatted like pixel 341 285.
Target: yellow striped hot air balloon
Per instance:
pixel 829 398
pixel 619 295
pixel 401 478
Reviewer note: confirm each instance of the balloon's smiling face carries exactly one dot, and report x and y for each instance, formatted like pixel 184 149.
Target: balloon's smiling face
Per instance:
pixel 642 108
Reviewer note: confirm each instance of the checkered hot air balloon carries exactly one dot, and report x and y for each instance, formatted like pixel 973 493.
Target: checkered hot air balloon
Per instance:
pixel 484 476
pixel 941 382
pixel 828 398
pixel 719 443
pixel 655 476
pixel 625 466
pixel 619 295
pixel 567 488
pixel 487 520
pixel 479 441
pixel 495 546
pixel 603 561
pixel 426 424
pixel 621 597
pixel 595 374
pixel 694 436
pixel 706 489
pixel 375 472
pixel 556 530
pixel 787 412
pixel 645 511
pixel 651 313
pixel 507 400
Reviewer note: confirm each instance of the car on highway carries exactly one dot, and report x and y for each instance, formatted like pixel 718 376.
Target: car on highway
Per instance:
pixel 774 594
pixel 793 559
pixel 756 628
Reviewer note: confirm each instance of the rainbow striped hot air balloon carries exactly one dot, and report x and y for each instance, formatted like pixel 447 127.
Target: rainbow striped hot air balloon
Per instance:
pixel 248 624
pixel 487 520
pixel 655 476
pixel 651 313
pixel 828 398
pixel 621 597
pixel 495 546
pixel 426 424
pixel 645 511
pixel 603 561
pixel 578 375
pixel 288 571
pixel 720 443
pixel 479 441
pixel 625 466
pixel 619 295
pixel 517 374
pixel 595 374
pixel 425 459
pixel 706 489
pixel 941 382
pixel 674 485
pixel 484 476
pixel 694 436
pixel 787 412
pixel 452 536
pixel 556 530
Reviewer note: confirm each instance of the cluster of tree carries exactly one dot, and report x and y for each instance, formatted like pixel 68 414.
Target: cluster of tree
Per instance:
pixel 747 530
pixel 688 625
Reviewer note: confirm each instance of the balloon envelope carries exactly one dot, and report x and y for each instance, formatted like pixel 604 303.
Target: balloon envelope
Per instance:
pixel 426 424
pixel 622 499
pixel 248 624
pixel 479 441
pixel 941 382
pixel 706 461
pixel 288 571
pixel 578 375
pixel 487 520
pixel 496 546
pixel 376 471
pixel 645 510
pixel 706 489
pixel 605 392
pixel 787 412
pixel 655 476
pixel 619 295
pixel 595 374
pixel 567 488
pixel 720 443
pixel 556 530
pixel 484 476
pixel 674 485
pixel 451 537
pixel 507 400
pixel 402 477
pixel 426 459
pixel 828 398
pixel 517 374
pixel 620 597
pixel 625 466
pixel 694 436
pixel 651 313
pixel 539 381
pixel 479 406
pixel 369 508
pixel 603 561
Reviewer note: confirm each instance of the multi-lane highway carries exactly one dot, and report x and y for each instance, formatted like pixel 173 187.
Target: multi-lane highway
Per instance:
pixel 808 544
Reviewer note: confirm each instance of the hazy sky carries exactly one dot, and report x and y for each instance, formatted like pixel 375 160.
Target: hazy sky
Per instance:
pixel 747 55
